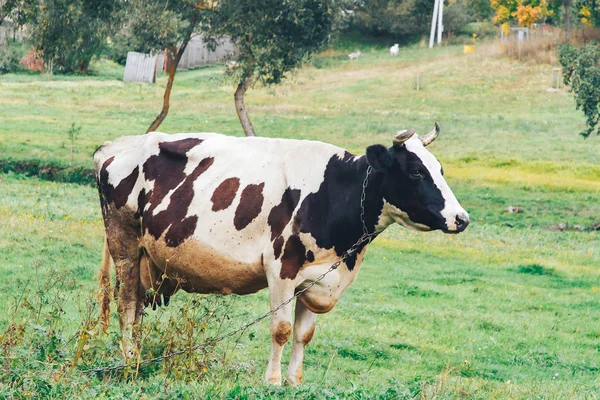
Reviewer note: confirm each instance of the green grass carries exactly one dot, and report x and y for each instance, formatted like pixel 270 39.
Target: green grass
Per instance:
pixel 508 309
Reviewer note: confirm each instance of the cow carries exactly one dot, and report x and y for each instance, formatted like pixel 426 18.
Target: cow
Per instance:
pixel 208 213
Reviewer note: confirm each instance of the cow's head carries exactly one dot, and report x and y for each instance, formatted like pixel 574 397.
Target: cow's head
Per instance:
pixel 415 192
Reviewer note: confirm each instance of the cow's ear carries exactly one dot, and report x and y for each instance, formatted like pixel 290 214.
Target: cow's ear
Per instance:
pixel 379 158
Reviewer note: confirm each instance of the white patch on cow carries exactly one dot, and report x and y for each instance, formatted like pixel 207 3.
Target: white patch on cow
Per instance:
pixel 452 207
pixel 278 164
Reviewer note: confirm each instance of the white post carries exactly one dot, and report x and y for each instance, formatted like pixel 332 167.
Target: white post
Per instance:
pixel 433 20
pixel 440 24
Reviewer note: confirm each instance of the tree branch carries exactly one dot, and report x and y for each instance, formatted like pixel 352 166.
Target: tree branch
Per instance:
pixel 173 59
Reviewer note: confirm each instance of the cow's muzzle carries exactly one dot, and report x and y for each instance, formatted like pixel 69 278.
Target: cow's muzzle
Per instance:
pixel 460 223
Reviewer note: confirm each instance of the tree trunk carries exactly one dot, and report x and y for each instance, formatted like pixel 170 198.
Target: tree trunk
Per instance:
pixel 567 21
pixel 241 108
pixel 172 63
pixel 83 67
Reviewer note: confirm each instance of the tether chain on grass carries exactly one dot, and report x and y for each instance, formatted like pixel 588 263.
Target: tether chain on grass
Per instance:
pixel 365 238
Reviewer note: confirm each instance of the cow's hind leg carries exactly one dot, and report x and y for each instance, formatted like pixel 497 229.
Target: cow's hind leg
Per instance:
pixel 304 328
pixel 130 303
pixel 123 245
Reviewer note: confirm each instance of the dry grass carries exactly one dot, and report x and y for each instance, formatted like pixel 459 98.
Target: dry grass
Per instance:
pixel 541 47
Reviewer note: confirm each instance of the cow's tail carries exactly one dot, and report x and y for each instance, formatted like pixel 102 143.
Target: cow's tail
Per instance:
pixel 104 285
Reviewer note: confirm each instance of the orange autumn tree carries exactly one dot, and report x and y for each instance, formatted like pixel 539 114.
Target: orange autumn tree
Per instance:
pixel 515 11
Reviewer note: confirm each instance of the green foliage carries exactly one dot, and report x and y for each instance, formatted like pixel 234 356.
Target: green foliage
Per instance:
pixel 69 33
pixel 481 9
pixel 483 30
pixel 10 58
pixel 456 16
pixel 401 19
pixel 155 25
pixel 273 37
pixel 582 73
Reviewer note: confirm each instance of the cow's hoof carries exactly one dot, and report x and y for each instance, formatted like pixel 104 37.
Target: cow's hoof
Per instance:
pixel 128 350
pixel 273 380
pixel 294 380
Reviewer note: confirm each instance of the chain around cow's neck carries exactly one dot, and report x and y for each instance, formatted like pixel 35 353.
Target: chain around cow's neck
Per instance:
pixel 363 196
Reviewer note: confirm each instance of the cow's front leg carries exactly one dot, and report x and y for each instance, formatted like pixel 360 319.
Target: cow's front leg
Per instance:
pixel 281 325
pixel 304 328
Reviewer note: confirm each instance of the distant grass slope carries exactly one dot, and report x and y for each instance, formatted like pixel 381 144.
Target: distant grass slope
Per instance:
pixel 497 112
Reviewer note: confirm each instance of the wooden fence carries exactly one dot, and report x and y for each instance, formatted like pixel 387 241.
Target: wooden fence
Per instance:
pixel 144 67
pixel 197 54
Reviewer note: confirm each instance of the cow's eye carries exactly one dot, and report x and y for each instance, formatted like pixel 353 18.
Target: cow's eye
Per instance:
pixel 415 173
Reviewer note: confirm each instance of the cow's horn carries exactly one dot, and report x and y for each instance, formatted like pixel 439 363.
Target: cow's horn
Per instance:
pixel 430 137
pixel 403 136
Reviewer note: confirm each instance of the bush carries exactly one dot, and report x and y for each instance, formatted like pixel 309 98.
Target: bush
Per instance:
pixel 456 16
pixel 402 20
pixel 122 43
pixel 483 30
pixel 582 73
pixel 10 58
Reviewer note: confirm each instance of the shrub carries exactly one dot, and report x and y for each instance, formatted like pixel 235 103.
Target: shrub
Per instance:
pixel 456 16
pixel 10 57
pixel 582 73
pixel 483 30
pixel 33 61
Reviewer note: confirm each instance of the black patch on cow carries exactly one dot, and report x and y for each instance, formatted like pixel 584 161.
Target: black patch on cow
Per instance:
pixel 225 193
pixel 310 256
pixel 409 186
pixel 182 227
pixel 332 214
pixel 250 206
pixel 179 148
pixel 293 258
pixel 166 169
pixel 277 246
pixel 281 214
pixel 104 189
pixel 121 193
pixel 116 195
pixel 141 200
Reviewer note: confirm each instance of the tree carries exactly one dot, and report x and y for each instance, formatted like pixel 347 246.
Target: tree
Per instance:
pixel 156 25
pixel 17 10
pixel 272 37
pixel 69 33
pixel 401 19
pixel 523 14
pixel 6 7
pixel 456 16
pixel 582 73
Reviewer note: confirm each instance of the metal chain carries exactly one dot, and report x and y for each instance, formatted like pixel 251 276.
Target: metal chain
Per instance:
pixel 366 237
pixel 363 196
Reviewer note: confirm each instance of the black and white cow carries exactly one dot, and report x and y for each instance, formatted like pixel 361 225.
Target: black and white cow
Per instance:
pixel 209 213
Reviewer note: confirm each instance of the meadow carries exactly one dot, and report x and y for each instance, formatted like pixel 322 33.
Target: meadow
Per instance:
pixel 508 309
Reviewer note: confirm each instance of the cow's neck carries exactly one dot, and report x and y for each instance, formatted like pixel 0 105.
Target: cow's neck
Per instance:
pixel 333 214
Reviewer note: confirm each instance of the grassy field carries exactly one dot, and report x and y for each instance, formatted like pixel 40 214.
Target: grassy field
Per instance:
pixel 508 309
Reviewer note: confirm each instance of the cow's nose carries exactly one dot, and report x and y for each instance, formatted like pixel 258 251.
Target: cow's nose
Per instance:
pixel 462 221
